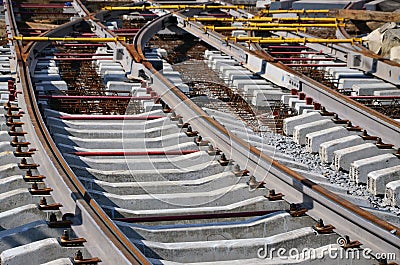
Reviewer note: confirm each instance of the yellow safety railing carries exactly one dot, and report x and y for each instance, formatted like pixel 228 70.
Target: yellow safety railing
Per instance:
pixel 299 11
pixel 68 39
pixel 263 40
pixel 318 25
pixel 265 19
pixel 178 7
pixel 214 28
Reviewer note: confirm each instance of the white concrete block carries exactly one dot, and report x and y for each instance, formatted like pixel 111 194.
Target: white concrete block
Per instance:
pixel 392 193
pixel 315 139
pixel 347 83
pixel 300 131
pixel 359 169
pixel 301 107
pixel 240 83
pixel 327 149
pixel 394 92
pixel 293 101
pixel 378 179
pixel 285 98
pixel 290 123
pixel 263 98
pixel 344 157
pixel 369 89
pixel 46 77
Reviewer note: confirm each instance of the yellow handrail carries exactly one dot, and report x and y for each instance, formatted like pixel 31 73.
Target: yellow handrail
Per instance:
pixel 299 11
pixel 178 7
pixel 68 39
pixel 281 40
pixel 214 28
pixel 264 19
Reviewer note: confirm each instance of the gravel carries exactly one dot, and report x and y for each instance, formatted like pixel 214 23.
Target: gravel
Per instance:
pixel 287 146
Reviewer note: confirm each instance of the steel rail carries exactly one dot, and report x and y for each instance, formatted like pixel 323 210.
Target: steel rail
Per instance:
pixel 366 52
pixel 375 122
pixel 347 217
pixel 79 194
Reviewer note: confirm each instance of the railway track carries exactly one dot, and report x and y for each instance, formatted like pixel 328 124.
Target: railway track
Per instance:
pixel 146 189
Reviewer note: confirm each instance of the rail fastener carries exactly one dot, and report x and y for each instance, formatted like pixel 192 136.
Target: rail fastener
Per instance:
pixel 212 151
pixel 273 196
pixel 254 184
pixel 35 190
pixel 350 244
pixel 28 177
pixel 66 241
pixel 239 172
pixel 190 133
pixel 43 206
pixel 63 223
pixel 25 165
pixel 14 142
pixel 19 153
pixel 200 142
pixel 322 228
pixel 78 259
pixel 296 210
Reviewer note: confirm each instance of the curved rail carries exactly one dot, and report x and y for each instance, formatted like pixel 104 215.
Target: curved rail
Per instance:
pixel 375 122
pixel 342 31
pixel 347 217
pixel 80 195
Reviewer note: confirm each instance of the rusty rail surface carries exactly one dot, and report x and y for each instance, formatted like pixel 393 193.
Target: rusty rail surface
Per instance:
pixel 109 228
pixel 377 231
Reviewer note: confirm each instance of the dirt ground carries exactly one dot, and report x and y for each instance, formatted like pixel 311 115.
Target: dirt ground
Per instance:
pixel 2 31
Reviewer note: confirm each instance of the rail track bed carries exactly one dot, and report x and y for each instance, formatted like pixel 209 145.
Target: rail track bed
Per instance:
pixel 176 155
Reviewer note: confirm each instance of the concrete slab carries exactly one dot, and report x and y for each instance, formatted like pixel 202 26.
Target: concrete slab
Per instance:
pixel 9 170
pixel 218 250
pixel 263 98
pixel 315 139
pixel 378 179
pixel 327 149
pixel 22 215
pixel 62 261
pixel 11 183
pixel 140 162
pixel 301 107
pixel 25 234
pixel 300 131
pixel 344 157
pixel 223 196
pixel 290 123
pixel 207 183
pixel 293 101
pixel 279 222
pixel 179 147
pixel 46 77
pixel 392 193
pixel 347 83
pixel 370 89
pixel 394 92
pixel 51 85
pixel 124 143
pixel 359 169
pixel 240 83
pixel 259 203
pixel 16 198
pixel 38 252
pixel 285 98
pixel 192 172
